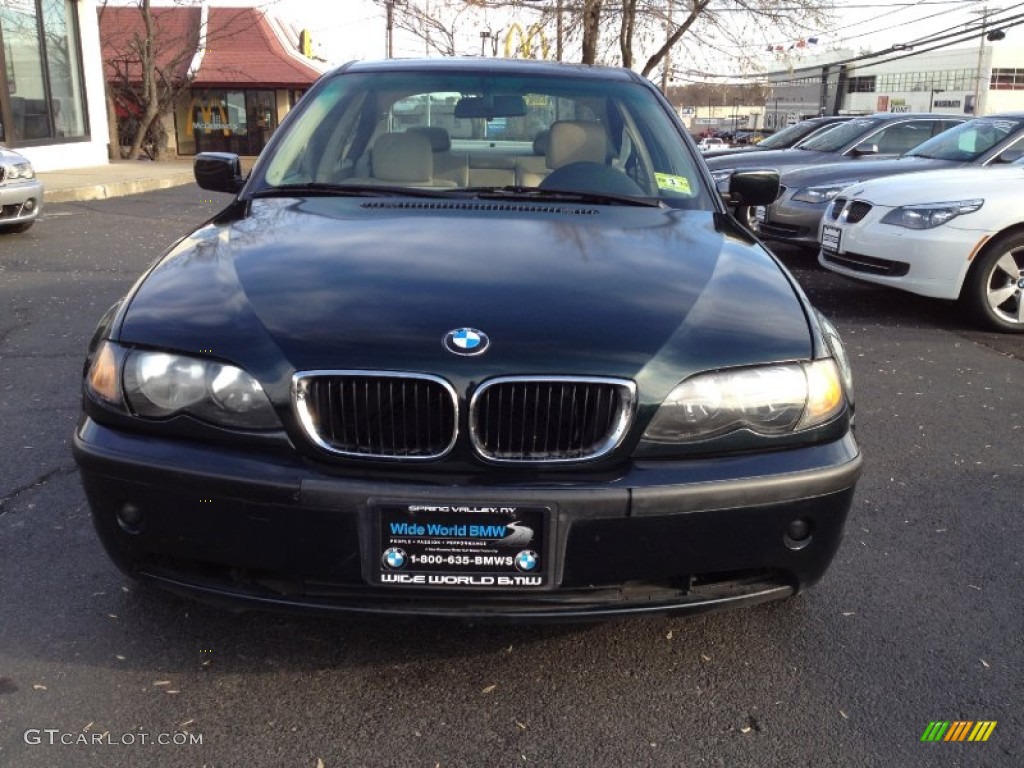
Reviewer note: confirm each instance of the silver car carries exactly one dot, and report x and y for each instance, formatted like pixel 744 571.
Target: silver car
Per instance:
pixel 795 216
pixel 21 193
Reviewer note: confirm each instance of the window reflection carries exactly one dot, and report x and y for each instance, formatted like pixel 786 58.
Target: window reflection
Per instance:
pixel 44 81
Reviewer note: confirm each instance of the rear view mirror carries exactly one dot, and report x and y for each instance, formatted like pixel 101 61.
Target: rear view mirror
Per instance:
pixel 1011 155
pixel 487 107
pixel 866 148
pixel 218 172
pixel 758 186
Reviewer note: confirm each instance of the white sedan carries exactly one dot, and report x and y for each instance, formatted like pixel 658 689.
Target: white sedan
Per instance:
pixel 953 234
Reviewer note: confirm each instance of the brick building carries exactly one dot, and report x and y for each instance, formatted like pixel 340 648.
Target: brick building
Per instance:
pixel 240 70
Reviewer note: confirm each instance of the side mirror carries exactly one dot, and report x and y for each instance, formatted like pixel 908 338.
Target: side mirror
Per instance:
pixel 1010 155
pixel 865 149
pixel 759 186
pixel 218 172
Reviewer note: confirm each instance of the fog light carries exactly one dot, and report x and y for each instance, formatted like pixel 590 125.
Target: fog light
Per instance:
pixel 798 534
pixel 130 518
pixel 30 205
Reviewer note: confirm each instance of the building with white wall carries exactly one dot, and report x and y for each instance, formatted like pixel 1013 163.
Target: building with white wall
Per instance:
pixel 978 79
pixel 52 99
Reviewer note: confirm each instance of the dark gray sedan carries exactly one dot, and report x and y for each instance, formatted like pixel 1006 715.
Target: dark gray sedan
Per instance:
pixel 795 216
pixel 880 135
pixel 788 137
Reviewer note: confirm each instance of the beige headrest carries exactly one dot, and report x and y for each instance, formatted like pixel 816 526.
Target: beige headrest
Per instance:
pixel 576 141
pixel 440 141
pixel 403 157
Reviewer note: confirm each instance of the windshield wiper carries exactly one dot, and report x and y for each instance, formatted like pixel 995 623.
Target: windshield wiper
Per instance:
pixel 323 189
pixel 565 195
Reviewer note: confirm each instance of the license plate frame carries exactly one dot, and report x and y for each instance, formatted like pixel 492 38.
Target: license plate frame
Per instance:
pixel 419 545
pixel 831 238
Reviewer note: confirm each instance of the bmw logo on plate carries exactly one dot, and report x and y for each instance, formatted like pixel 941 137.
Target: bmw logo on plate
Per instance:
pixel 466 341
pixel 394 558
pixel 526 560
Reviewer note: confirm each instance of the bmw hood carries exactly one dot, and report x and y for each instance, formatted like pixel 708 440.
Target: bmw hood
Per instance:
pixel 770 158
pixel 939 186
pixel 377 284
pixel 858 170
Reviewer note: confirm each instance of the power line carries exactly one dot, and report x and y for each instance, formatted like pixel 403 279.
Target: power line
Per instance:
pixel 958 37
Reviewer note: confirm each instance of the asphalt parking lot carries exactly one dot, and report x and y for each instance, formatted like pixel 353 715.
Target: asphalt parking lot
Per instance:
pixel 918 620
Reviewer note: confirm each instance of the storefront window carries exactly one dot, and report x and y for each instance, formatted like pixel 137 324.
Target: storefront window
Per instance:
pixel 66 95
pixel 226 121
pixel 43 97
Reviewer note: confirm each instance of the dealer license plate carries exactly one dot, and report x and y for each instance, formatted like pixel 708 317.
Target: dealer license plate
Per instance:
pixel 760 214
pixel 830 237
pixel 490 546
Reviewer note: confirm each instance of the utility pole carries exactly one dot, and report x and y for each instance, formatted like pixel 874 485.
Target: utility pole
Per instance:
pixel 666 65
pixel 389 5
pixel 984 12
pixel 558 30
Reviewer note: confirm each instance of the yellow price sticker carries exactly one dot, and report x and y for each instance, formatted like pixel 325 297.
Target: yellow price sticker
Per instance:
pixel 679 184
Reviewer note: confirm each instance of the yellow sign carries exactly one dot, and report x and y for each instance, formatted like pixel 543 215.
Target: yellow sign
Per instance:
pixel 675 183
pixel 526 45
pixel 201 114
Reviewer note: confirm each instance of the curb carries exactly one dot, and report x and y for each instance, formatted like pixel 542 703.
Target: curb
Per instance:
pixel 114 189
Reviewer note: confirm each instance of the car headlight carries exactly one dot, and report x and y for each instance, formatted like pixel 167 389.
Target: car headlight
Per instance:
pixel 18 171
pixel 822 193
pixel 838 350
pixel 767 400
pixel 158 385
pixel 930 215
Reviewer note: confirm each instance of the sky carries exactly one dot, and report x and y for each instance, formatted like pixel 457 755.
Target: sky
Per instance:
pixel 355 29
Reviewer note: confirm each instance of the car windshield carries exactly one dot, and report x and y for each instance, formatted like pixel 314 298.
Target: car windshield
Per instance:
pixel 789 135
pixel 835 139
pixel 969 141
pixel 464 133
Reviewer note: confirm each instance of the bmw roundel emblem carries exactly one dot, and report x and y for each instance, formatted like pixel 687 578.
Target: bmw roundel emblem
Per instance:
pixel 394 558
pixel 466 341
pixel 526 560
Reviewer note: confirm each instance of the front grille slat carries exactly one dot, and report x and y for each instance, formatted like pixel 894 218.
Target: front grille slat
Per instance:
pixel 390 415
pixel 377 415
pixel 856 211
pixel 530 419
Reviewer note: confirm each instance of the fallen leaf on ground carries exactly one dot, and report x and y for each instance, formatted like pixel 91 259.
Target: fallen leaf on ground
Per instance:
pixel 489 688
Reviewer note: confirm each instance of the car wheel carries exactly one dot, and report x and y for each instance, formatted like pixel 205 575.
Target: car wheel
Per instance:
pixel 14 229
pixel 745 215
pixel 994 290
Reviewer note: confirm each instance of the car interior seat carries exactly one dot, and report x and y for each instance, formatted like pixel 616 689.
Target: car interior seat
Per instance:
pixel 402 159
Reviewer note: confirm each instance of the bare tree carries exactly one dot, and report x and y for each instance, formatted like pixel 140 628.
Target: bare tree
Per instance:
pixel 440 24
pixel 620 31
pixel 150 69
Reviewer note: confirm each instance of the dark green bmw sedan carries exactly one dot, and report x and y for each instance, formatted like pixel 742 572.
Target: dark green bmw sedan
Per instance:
pixel 474 338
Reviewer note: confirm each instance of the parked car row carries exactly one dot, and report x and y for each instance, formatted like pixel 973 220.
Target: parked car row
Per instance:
pixel 941 218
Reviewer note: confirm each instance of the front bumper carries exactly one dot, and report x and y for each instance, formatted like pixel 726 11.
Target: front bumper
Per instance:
pixel 270 530
pixel 790 221
pixel 930 262
pixel 20 201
